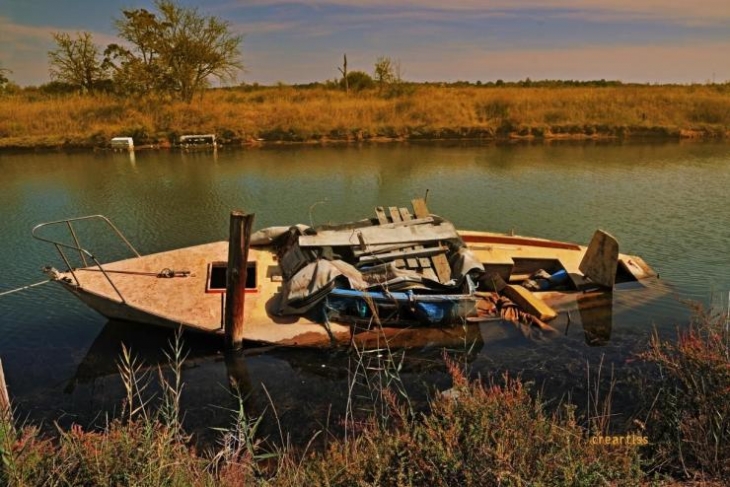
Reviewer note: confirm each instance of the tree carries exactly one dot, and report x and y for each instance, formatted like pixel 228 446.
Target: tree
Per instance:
pixel 174 51
pixel 4 80
pixel 77 61
pixel 136 70
pixel 384 72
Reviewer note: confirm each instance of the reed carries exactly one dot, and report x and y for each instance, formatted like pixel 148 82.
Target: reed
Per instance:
pixel 494 431
pixel 689 415
pixel 144 447
pixel 247 115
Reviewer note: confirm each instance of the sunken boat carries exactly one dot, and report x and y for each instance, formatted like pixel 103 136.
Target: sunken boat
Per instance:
pixel 405 276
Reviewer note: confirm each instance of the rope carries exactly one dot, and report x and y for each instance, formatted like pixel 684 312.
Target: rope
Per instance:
pixel 24 287
pixel 165 273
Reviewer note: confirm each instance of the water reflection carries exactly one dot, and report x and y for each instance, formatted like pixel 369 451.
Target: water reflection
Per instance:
pixel 151 345
pixel 597 321
pixel 239 378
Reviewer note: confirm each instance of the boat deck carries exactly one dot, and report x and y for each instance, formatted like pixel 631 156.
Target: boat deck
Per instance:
pixel 186 302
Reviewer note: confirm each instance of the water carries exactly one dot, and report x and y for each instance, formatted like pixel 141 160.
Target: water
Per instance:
pixel 665 202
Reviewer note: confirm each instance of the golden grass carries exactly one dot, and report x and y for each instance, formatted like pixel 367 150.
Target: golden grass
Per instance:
pixel 283 113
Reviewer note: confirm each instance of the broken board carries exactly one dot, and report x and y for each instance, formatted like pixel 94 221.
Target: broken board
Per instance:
pixel 600 261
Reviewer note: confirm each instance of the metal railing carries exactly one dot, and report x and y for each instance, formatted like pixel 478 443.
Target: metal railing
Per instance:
pixel 76 247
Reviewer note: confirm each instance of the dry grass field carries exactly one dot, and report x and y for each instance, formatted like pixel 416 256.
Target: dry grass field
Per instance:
pixel 246 115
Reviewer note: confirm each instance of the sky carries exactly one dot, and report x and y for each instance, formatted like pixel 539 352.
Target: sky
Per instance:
pixel 298 41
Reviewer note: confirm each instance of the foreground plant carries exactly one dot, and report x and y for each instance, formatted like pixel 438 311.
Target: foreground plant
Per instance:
pixel 689 423
pixel 476 434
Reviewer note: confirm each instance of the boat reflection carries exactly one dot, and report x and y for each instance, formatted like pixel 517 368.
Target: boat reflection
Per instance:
pixel 597 321
pixel 150 345
pixel 590 315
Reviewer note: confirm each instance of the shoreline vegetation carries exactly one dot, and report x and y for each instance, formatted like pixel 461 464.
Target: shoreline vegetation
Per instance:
pixel 321 113
pixel 482 431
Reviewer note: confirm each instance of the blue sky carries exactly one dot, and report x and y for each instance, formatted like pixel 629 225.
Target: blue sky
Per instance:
pixel 651 41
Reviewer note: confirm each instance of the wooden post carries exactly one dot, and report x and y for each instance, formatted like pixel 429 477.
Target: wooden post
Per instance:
pixel 240 233
pixel 6 412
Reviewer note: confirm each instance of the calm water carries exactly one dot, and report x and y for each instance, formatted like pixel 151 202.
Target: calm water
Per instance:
pixel 666 202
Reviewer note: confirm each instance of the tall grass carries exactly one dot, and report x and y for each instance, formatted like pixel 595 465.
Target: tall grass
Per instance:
pixel 145 446
pixel 494 431
pixel 477 434
pixel 689 421
pixel 286 113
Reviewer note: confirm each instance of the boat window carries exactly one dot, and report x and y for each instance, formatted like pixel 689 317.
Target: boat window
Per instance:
pixel 217 273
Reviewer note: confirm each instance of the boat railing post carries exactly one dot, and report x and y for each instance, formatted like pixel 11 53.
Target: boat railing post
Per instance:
pixel 239 237
pixel 76 242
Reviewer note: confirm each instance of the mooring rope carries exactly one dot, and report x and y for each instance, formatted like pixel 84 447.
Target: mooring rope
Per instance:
pixel 166 272
pixel 22 288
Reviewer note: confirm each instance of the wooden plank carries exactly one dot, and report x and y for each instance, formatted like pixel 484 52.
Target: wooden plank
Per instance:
pixel 409 223
pixel 423 262
pixel 396 216
pixel 380 213
pixel 420 210
pixel 429 273
pixel 471 240
pixel 380 235
pixel 380 249
pixel 529 303
pixel 600 261
pixel 442 268
pixel 403 254
pixel 440 263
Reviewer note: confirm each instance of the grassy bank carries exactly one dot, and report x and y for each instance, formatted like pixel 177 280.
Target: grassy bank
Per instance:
pixel 481 432
pixel 250 115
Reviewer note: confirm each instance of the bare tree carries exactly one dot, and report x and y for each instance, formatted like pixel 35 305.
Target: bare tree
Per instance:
pixel 384 73
pixel 76 61
pixel 343 70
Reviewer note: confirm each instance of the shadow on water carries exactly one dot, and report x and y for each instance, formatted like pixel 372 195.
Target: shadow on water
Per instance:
pixel 152 345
